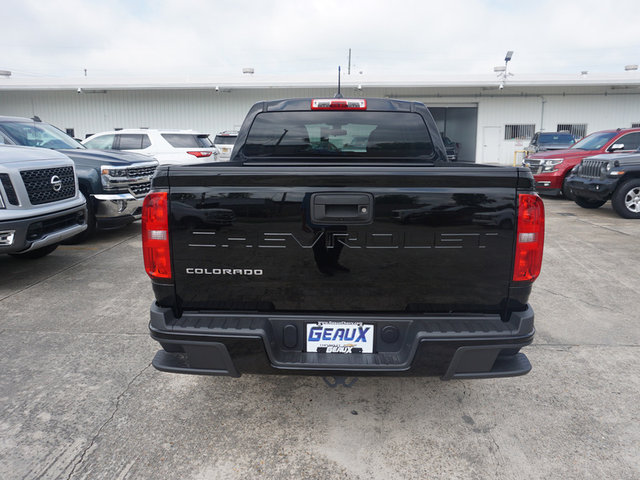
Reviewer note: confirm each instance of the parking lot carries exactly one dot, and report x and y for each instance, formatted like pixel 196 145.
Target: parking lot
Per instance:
pixel 79 398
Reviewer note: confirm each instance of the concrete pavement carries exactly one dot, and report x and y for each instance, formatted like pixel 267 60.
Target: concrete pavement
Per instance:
pixel 79 399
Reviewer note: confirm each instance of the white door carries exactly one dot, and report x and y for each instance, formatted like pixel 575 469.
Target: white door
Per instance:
pixel 491 144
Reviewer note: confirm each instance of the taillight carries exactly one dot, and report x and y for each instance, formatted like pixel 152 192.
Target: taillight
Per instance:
pixel 338 104
pixel 200 154
pixel 530 238
pixel 155 235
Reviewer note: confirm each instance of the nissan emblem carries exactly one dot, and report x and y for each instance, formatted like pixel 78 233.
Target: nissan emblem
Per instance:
pixel 56 183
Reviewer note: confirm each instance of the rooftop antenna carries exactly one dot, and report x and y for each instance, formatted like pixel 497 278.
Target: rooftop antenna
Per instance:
pixel 338 95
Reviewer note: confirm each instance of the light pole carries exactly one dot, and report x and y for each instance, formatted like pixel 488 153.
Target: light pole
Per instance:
pixel 502 71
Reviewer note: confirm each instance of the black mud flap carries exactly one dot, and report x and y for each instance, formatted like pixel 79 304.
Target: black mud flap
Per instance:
pixel 200 358
pixel 486 362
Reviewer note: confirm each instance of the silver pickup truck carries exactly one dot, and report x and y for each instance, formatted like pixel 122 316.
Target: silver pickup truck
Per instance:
pixel 40 203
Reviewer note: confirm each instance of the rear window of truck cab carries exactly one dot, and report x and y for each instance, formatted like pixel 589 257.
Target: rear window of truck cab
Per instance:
pixel 336 134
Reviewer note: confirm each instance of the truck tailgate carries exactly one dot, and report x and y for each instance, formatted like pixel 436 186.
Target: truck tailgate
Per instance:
pixel 343 239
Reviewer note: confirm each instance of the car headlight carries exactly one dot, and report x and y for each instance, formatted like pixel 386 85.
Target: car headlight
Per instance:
pixel 111 175
pixel 110 171
pixel 610 169
pixel 549 165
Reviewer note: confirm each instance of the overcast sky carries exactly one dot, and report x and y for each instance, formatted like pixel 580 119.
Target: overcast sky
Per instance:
pixel 179 38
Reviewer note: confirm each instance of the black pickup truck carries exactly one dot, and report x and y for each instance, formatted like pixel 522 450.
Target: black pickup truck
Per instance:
pixel 338 240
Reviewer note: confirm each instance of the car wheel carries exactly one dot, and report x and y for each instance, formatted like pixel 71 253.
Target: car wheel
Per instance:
pixel 566 191
pixel 589 203
pixel 38 253
pixel 626 199
pixel 91 224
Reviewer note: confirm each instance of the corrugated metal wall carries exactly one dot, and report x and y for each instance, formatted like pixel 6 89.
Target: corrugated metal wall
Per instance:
pixel 546 112
pixel 209 111
pixel 90 112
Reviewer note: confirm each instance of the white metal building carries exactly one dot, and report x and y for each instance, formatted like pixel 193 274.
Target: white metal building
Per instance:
pixel 489 123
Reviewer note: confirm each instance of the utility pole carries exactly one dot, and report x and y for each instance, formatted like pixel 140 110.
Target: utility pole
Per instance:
pixel 349 68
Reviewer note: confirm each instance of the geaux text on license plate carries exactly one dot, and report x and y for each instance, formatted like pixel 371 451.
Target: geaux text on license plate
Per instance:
pixel 340 337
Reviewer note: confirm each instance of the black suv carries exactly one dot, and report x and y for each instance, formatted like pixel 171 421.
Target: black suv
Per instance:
pixel 617 177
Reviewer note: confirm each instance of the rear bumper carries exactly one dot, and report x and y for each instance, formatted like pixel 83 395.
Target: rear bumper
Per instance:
pixel 449 346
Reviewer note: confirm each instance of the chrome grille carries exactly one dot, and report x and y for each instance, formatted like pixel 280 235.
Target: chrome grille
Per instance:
pixel 141 171
pixel 592 168
pixel 535 165
pixel 140 188
pixel 39 186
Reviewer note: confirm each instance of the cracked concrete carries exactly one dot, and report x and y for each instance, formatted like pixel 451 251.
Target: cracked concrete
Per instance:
pixel 603 307
pixel 78 399
pixel 113 414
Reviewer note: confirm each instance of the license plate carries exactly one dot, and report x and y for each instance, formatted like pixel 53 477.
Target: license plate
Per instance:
pixel 339 337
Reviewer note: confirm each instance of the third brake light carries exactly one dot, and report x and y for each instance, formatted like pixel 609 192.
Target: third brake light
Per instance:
pixel 338 104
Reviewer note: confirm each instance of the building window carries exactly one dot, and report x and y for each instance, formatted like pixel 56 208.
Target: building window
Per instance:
pixel 635 125
pixel 519 131
pixel 578 130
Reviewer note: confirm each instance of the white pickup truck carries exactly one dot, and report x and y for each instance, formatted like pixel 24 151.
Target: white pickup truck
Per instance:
pixel 40 203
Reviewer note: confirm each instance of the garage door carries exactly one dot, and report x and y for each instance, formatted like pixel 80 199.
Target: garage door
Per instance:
pixel 460 124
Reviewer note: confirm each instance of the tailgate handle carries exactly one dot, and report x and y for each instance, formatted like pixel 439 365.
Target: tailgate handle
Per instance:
pixel 341 208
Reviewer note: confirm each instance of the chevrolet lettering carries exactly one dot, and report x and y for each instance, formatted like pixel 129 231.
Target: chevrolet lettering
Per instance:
pixel 355 238
pixel 339 239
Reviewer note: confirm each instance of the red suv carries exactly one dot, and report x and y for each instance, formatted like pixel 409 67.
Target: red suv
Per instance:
pixel 551 168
